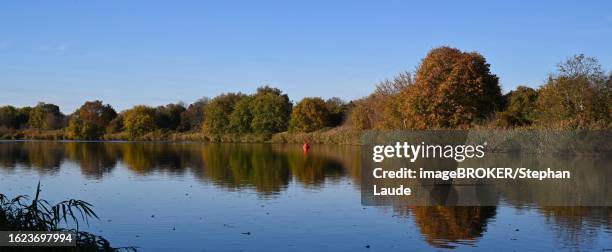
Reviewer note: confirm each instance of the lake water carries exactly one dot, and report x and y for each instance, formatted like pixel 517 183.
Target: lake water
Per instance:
pixel 206 197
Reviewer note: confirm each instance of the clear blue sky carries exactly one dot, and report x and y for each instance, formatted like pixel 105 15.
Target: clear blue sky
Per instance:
pixel 147 52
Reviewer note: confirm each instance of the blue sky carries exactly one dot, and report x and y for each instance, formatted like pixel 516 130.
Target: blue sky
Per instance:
pixel 149 52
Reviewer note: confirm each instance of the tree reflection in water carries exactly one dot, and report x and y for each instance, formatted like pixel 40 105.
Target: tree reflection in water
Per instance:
pixel 444 225
pixel 270 169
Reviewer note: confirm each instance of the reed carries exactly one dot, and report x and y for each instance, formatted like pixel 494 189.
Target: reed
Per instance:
pixel 22 214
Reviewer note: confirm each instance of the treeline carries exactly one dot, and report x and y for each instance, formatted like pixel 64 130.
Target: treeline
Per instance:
pixel 453 89
pixel 450 89
pixel 266 112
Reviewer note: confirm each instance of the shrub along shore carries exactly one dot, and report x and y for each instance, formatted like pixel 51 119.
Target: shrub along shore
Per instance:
pixel 450 89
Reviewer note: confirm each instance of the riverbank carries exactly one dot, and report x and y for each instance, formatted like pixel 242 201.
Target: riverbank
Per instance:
pixel 518 140
pixel 338 135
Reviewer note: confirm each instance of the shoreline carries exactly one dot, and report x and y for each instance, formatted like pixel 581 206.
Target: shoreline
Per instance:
pixel 517 140
pixel 338 136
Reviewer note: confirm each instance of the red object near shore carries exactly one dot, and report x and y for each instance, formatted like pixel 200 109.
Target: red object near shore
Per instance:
pixel 306 147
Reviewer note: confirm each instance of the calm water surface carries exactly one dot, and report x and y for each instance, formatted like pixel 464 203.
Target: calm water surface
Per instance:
pixel 199 197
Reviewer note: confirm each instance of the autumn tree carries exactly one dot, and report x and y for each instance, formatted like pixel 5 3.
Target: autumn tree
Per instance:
pixel 115 125
pixel 193 117
pixel 310 114
pixel 390 107
pixel 139 120
pixel 46 116
pixel 271 110
pixel 218 112
pixel 605 99
pixel 521 108
pixel 452 89
pixel 362 115
pixel 169 116
pixel 385 108
pixel 90 120
pixel 8 117
pixel 578 95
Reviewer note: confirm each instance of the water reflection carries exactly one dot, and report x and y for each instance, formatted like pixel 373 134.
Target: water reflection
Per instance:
pixel 271 169
pixel 266 168
pixel 444 226
pixel 577 226
pixel 236 166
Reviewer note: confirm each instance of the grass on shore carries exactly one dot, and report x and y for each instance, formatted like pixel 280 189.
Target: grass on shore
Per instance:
pixel 339 135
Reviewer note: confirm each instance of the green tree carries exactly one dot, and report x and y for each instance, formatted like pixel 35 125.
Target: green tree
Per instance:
pixel 337 110
pixel 23 116
pixel 452 89
pixel 271 110
pixel 521 108
pixel 577 95
pixel 90 120
pixel 241 117
pixel 169 117
pixel 139 120
pixel 45 116
pixel 218 112
pixel 78 130
pixel 310 114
